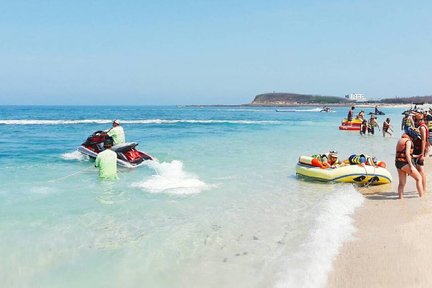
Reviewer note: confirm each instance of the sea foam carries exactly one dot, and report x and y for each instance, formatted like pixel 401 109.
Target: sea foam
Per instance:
pixel 171 178
pixel 311 264
pixel 142 121
pixel 75 155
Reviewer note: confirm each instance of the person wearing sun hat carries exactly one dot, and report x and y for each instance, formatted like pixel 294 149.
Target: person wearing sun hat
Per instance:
pixel 117 133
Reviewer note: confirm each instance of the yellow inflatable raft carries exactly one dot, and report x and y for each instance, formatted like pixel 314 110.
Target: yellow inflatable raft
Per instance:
pixel 347 174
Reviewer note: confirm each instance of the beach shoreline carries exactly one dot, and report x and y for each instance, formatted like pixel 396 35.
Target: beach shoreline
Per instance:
pixel 391 247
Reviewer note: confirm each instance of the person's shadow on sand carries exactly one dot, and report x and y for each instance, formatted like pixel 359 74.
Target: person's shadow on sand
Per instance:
pixel 391 195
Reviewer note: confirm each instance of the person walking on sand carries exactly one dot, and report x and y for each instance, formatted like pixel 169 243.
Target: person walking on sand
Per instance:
pixel 405 165
pixel 429 124
pixel 106 161
pixel 387 127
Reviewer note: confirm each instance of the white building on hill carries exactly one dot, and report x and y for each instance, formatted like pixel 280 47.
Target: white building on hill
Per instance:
pixel 357 97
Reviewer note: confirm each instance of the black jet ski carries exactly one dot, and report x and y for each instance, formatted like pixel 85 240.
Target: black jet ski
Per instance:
pixel 127 154
pixel 326 109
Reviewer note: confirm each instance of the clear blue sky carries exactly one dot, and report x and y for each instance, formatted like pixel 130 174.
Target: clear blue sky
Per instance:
pixel 211 52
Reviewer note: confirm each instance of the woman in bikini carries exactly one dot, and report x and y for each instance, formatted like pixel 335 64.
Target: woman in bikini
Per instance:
pixel 404 164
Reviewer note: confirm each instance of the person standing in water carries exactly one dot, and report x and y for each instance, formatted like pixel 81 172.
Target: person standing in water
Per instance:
pixel 106 161
pixel 372 124
pixel 350 113
pixel 386 127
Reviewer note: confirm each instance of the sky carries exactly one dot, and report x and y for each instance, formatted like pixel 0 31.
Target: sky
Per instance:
pixel 211 52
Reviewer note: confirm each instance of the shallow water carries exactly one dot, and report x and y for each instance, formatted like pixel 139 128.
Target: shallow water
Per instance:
pixel 221 206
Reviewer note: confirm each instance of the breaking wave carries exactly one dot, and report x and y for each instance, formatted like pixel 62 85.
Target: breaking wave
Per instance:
pixel 311 264
pixel 142 121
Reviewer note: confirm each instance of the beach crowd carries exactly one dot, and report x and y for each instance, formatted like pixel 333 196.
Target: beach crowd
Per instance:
pixel 411 148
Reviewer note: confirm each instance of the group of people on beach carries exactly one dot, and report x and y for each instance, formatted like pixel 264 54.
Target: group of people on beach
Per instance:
pixel 411 148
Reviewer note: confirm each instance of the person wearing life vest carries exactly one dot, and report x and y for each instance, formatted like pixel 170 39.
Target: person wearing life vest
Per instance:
pixel 421 146
pixel 387 127
pixel 324 161
pixel 362 159
pixel 106 161
pixel 117 133
pixel 372 124
pixel 407 124
pixel 405 165
pixel 429 125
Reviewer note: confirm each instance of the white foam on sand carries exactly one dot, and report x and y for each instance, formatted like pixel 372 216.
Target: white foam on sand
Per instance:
pixel 310 265
pixel 171 178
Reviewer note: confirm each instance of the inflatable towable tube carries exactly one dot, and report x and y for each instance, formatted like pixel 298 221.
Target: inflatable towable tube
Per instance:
pixel 346 174
pixel 353 125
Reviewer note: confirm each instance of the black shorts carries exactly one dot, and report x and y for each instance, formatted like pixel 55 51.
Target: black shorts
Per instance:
pixel 418 162
pixel 400 164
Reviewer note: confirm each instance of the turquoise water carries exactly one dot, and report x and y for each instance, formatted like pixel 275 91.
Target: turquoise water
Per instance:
pixel 221 207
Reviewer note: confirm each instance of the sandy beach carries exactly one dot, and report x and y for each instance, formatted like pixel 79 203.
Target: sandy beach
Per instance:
pixel 392 246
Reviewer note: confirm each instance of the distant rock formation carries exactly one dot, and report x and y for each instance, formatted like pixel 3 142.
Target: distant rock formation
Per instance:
pixel 281 99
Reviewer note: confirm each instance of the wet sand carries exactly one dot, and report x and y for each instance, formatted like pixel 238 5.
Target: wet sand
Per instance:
pixel 393 244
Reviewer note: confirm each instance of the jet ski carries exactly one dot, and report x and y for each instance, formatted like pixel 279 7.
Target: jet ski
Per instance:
pixel 127 154
pixel 377 112
pixel 326 109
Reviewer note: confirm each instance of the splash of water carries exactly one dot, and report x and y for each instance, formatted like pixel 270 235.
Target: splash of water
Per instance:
pixel 75 155
pixel 171 178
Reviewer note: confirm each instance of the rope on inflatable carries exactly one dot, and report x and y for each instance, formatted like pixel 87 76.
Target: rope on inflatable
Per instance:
pixel 372 178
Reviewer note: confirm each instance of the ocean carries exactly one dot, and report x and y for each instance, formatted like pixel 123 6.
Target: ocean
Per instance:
pixel 221 206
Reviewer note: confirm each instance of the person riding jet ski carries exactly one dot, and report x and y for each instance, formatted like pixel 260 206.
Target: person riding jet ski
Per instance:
pixel 116 132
